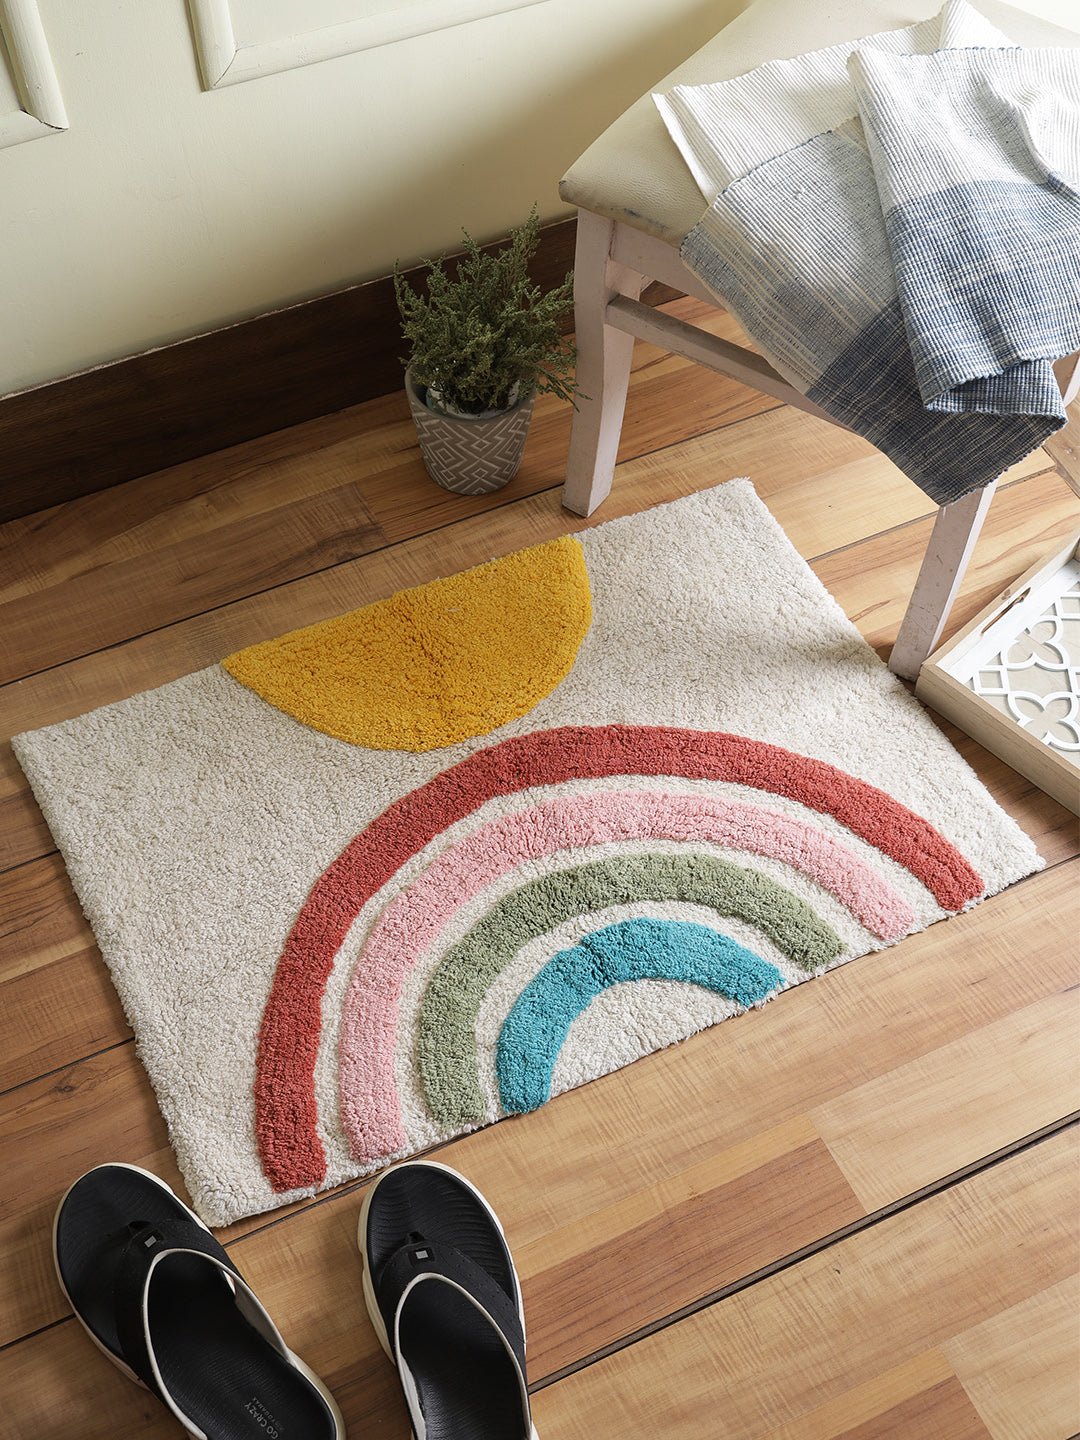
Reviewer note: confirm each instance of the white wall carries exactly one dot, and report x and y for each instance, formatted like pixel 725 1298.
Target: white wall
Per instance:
pixel 166 210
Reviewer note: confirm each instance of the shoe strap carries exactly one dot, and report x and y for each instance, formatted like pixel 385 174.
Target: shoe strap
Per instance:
pixel 444 1262
pixel 146 1246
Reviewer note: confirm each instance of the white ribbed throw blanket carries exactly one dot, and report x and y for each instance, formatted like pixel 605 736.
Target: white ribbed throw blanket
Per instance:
pixel 896 224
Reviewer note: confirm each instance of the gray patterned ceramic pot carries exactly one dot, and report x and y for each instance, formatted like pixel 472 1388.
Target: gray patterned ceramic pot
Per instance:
pixel 470 454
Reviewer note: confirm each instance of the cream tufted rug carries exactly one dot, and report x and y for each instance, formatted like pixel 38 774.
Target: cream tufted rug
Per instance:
pixel 395 876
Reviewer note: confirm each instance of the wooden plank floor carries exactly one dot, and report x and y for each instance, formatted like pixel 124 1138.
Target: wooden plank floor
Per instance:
pixel 852 1214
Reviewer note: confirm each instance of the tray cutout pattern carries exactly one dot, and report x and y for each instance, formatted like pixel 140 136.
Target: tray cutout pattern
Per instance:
pixel 1032 674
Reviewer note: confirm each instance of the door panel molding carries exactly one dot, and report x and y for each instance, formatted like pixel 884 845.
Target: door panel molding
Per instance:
pixel 226 61
pixel 25 53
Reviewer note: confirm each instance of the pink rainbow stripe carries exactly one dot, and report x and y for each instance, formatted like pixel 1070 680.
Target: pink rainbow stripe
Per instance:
pixel 285 1109
pixel 410 924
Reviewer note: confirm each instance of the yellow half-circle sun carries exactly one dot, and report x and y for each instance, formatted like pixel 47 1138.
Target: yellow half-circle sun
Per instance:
pixel 437 664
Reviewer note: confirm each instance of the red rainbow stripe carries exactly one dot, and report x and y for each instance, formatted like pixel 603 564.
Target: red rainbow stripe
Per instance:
pixel 285 1108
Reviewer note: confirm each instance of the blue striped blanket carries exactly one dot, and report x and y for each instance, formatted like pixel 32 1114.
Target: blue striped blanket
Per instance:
pixel 896 224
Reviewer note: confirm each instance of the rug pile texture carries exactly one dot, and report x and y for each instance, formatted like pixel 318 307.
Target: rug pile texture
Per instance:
pixel 404 873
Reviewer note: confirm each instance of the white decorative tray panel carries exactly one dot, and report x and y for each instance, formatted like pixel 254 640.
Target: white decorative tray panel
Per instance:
pixel 1011 679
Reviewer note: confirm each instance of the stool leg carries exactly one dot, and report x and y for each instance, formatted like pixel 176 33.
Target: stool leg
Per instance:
pixel 955 532
pixel 603 365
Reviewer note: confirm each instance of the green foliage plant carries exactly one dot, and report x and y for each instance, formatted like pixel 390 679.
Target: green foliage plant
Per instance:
pixel 487 336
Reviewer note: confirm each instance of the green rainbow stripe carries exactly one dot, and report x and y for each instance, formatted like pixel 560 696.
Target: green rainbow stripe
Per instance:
pixel 446 1043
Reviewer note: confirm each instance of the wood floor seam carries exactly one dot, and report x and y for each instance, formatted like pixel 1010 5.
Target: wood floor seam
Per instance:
pixel 703 434
pixel 919 519
pixel 446 528
pixel 766 1272
pixel 826 1242
pixel 59 1069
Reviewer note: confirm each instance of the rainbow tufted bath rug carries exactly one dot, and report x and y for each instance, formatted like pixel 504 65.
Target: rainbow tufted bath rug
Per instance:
pixel 403 873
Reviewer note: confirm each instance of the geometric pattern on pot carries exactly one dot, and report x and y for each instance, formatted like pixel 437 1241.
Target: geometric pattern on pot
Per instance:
pixel 286 1116
pixel 469 455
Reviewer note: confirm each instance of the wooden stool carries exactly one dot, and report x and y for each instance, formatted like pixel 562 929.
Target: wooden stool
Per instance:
pixel 637 201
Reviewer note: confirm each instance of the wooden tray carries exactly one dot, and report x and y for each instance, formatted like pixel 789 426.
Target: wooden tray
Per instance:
pixel 1011 679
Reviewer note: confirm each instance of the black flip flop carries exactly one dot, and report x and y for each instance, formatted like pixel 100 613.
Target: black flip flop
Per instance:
pixel 444 1298
pixel 160 1297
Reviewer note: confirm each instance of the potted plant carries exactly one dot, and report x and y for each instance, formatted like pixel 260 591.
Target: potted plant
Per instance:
pixel 482 344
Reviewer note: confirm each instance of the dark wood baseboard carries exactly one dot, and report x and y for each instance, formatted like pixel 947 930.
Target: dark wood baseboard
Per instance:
pixel 81 434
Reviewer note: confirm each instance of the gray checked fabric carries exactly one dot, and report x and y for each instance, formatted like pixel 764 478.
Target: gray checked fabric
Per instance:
pixel 896 224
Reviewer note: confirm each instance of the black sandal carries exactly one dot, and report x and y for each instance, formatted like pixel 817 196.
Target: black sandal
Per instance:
pixel 445 1301
pixel 160 1297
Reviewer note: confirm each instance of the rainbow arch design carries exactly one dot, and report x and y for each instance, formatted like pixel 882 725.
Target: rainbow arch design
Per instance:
pixel 409 925
pixel 286 1117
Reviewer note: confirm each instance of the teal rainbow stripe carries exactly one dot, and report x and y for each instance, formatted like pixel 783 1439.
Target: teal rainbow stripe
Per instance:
pixel 644 949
